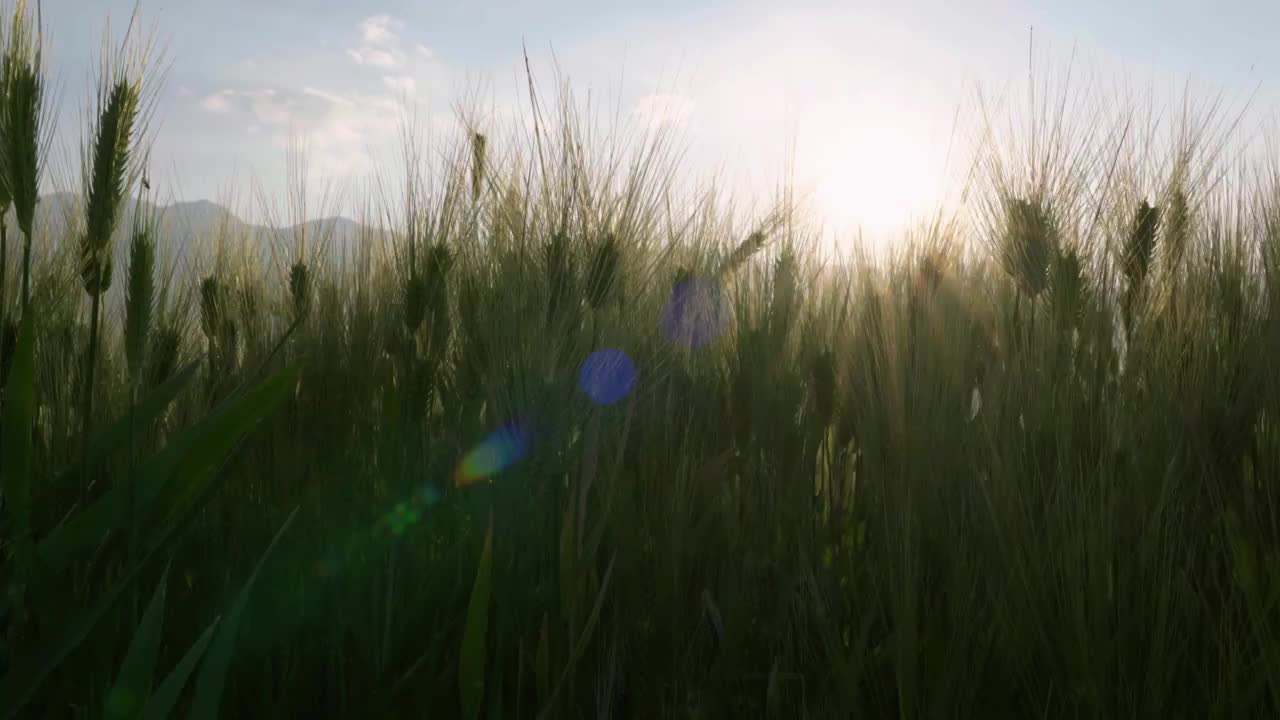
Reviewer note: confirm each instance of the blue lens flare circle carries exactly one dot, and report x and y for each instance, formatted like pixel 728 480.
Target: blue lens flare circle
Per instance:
pixel 607 376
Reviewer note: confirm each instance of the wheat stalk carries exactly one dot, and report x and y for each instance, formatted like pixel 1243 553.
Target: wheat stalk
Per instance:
pixel 140 293
pixel 112 165
pixel 1029 242
pixel 602 271
pixel 24 125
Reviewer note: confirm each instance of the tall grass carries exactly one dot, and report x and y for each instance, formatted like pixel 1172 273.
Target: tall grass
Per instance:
pixel 568 435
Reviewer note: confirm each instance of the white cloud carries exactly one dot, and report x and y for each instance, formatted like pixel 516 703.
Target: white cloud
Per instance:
pixel 344 102
pixel 377 29
pixel 656 109
pixel 401 84
pixel 270 108
pixel 375 57
pixel 339 127
pixel 219 102
pixel 381 48
pixel 326 96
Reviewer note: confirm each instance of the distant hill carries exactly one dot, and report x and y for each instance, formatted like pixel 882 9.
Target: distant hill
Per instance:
pixel 190 231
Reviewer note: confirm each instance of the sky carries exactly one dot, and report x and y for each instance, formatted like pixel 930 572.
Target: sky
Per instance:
pixel 857 100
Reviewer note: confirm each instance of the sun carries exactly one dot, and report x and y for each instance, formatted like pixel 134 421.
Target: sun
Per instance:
pixel 868 167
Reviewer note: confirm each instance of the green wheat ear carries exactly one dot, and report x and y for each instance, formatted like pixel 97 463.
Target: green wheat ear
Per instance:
pixel 140 291
pixel 215 315
pixel 413 301
pixel 1135 260
pixel 783 299
pixel 602 271
pixel 1069 290
pixel 162 355
pixel 1028 243
pixel 479 145
pixel 20 128
pixel 5 200
pixel 744 252
pixel 822 371
pixel 558 266
pixel 300 289
pixel 438 263
pixel 1140 246
pixel 22 77
pixel 24 133
pixel 211 307
pixel 250 304
pixel 108 183
pixel 930 270
pixel 1177 229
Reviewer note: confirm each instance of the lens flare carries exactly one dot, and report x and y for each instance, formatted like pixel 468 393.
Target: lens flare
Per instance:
pixel 696 314
pixel 607 376
pixel 402 517
pixel 502 449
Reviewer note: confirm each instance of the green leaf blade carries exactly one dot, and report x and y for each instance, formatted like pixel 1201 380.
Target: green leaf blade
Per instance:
pixel 19 420
pixel 162 702
pixel 471 662
pixel 213 674
pixel 133 684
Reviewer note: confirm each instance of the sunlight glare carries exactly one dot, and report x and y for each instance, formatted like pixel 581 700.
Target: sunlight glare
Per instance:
pixel 867 166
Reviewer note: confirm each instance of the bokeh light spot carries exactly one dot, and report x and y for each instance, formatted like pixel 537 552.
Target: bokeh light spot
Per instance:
pixel 401 518
pixel 607 376
pixel 696 314
pixel 502 449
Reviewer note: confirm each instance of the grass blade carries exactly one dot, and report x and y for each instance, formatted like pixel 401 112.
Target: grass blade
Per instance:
pixel 116 435
pixel 166 696
pixel 213 675
pixel 136 673
pixel 471 662
pixel 192 454
pixel 583 638
pixel 209 449
pixel 19 417
pixel 21 683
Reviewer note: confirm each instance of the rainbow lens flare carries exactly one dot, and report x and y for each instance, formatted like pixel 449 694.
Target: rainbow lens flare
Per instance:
pixel 696 314
pixel 503 448
pixel 607 376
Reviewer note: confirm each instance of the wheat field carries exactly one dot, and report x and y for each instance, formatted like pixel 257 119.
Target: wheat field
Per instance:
pixel 559 432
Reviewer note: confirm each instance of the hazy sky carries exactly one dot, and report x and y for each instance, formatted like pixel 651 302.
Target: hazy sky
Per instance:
pixel 868 91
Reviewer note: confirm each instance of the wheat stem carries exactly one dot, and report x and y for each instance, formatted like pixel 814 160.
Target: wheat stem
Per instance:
pixel 26 272
pixel 4 262
pixel 86 422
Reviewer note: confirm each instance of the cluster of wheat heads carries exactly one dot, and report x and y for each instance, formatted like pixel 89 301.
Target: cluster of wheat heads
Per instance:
pixel 77 542
pixel 564 433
